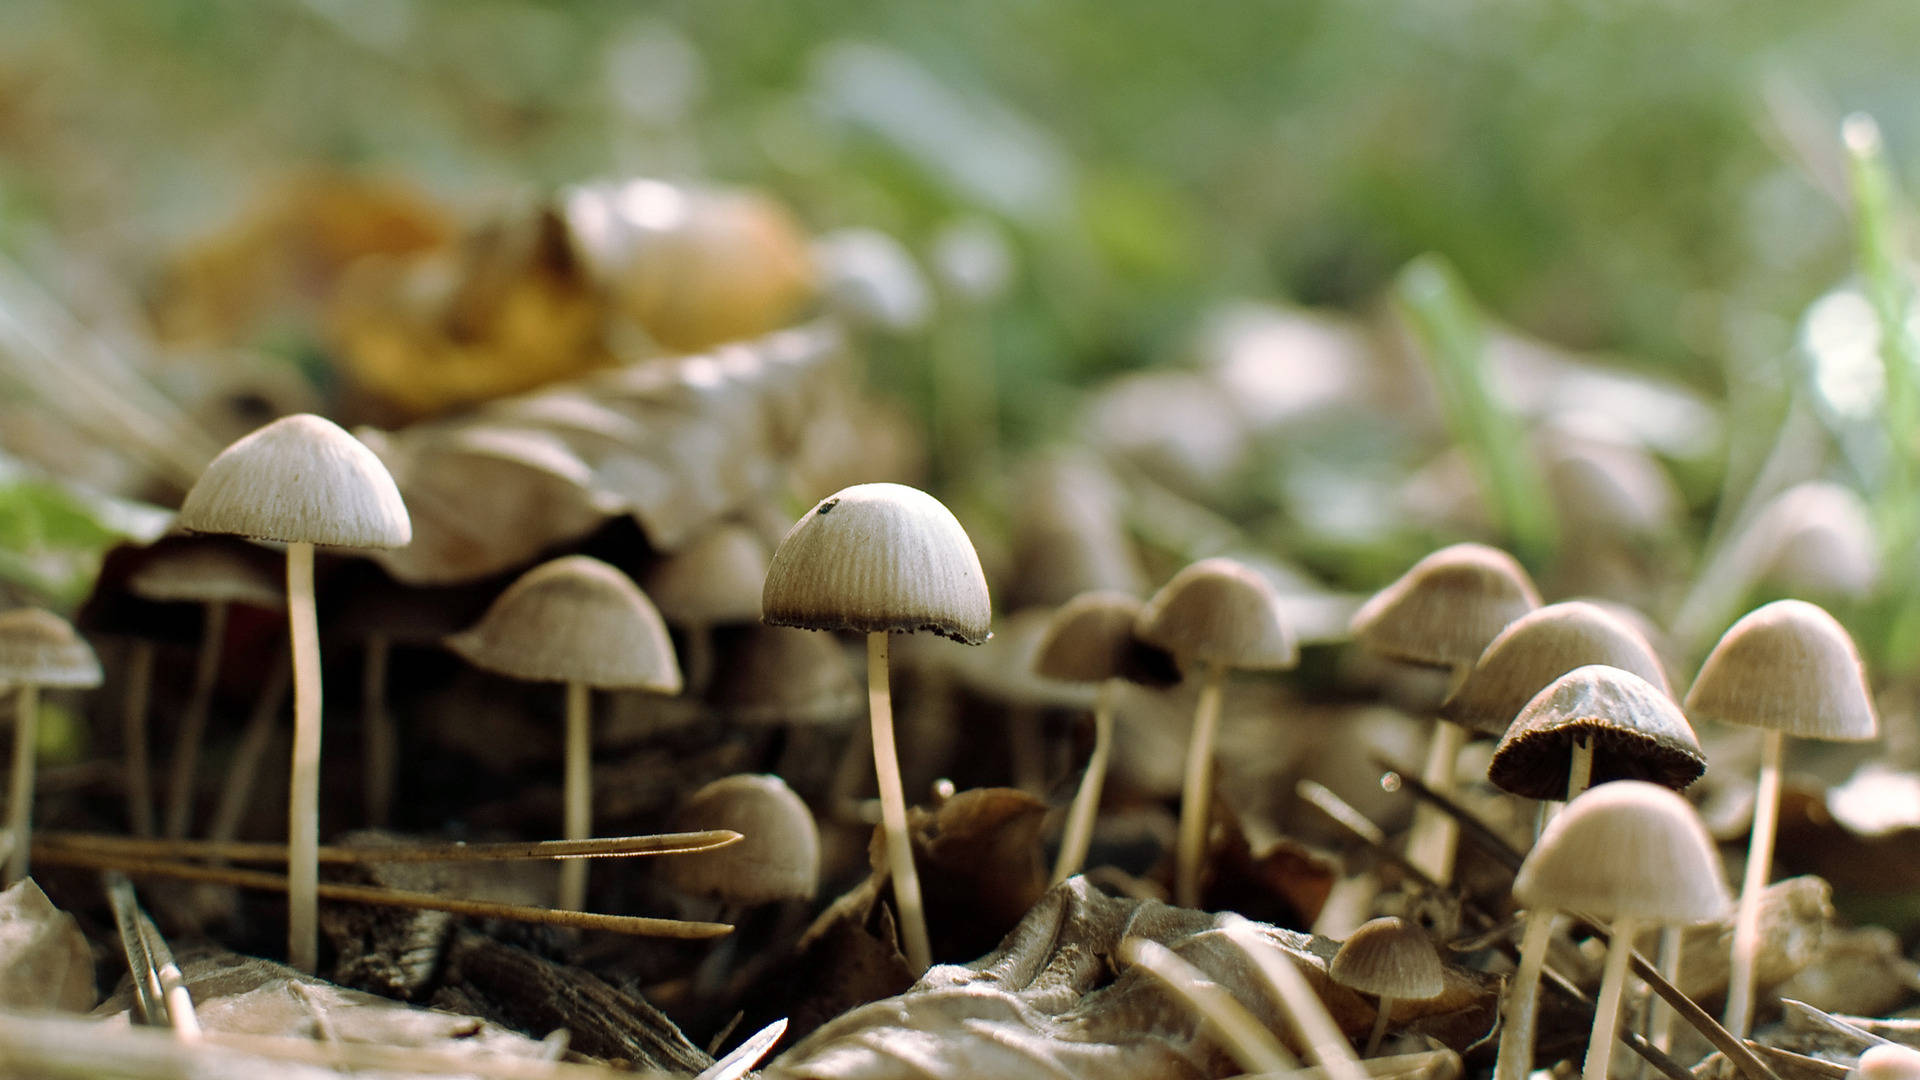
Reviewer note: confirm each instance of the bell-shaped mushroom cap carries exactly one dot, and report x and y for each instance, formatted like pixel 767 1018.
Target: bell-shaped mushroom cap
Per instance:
pixel 778 860
pixel 1789 667
pixel 1632 849
pixel 209 570
pixel 300 479
pixel 1886 1061
pixel 1390 957
pixel 1816 539
pixel 1218 611
pixel 716 579
pixel 42 649
pixel 879 557
pixel 1637 732
pixel 1447 608
pixel 574 619
pixel 777 675
pixel 1090 639
pixel 1539 647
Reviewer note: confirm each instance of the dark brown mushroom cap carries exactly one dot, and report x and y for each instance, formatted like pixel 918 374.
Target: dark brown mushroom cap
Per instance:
pixel 1447 608
pixel 716 579
pixel 575 619
pixel 300 479
pixel 879 557
pixel 779 675
pixel 1789 667
pixel 1536 649
pixel 1628 849
pixel 209 570
pixel 779 857
pixel 1638 733
pixel 40 648
pixel 1390 957
pixel 1219 611
pixel 1090 639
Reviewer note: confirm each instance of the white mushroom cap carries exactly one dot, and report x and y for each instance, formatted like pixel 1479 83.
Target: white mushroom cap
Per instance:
pixel 1447 607
pixel 779 859
pixel 40 648
pixel 1630 849
pixel 574 619
pixel 1218 611
pixel 1538 648
pixel 300 479
pixel 1791 667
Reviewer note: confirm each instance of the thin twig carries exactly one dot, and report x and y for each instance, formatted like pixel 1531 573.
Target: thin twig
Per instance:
pixel 451 851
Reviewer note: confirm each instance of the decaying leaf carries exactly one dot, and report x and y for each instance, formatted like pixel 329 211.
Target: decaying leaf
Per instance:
pixel 44 959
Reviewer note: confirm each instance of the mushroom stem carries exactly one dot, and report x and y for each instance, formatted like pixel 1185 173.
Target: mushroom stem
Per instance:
pixel 1382 1012
pixel 235 797
pixel 1746 923
pixel 193 722
pixel 1086 802
pixel 378 743
pixel 139 778
pixel 1606 1009
pixel 1196 794
pixel 20 794
pixel 1580 770
pixel 303 794
pixel 893 810
pixel 1431 843
pixel 1659 1014
pixel 1515 1060
pixel 579 794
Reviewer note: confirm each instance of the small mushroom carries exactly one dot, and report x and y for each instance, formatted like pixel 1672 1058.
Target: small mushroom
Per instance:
pixel 1536 649
pixel 1788 668
pixel 713 581
pixel 882 559
pixel 1393 960
pixel 578 621
pixel 37 648
pixel 1219 614
pixel 1593 725
pixel 778 860
pixel 766 675
pixel 303 481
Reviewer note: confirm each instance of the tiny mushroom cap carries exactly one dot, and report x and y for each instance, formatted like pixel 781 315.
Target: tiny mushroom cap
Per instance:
pixel 1090 639
pixel 1629 849
pixel 1447 607
pixel 1003 669
pixel 40 648
pixel 879 557
pixel 1886 1061
pixel 209 570
pixel 1390 958
pixel 574 619
pixel 1789 667
pixel 1219 611
pixel 715 579
pixel 300 479
pixel 778 675
pixel 779 859
pixel 1637 732
pixel 1539 647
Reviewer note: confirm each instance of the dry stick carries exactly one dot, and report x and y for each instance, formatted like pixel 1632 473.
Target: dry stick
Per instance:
pixel 139 777
pixel 579 792
pixel 303 795
pixel 1250 1043
pixel 1326 1044
pixel 1659 1016
pixel 453 851
pixel 147 994
pixel 893 810
pixel 373 894
pixel 1648 1053
pixel 20 795
pixel 1746 922
pixel 231 807
pixel 1197 790
pixel 173 984
pixel 1086 802
pixel 193 722
pixel 378 739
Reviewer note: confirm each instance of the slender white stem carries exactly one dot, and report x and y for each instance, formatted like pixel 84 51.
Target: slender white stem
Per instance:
pixel 303 794
pixel 1746 923
pixel 1326 1044
pixel 193 723
pixel 1580 769
pixel 579 794
pixel 1659 1013
pixel 1515 1059
pixel 26 728
pixel 378 739
pixel 893 811
pixel 1435 835
pixel 139 778
pixel 1606 1010
pixel 1086 802
pixel 1383 1010
pixel 1196 795
pixel 236 796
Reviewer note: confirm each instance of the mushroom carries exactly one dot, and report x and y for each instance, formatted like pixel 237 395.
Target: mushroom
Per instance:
pixel 882 559
pixel 778 675
pixel 1090 639
pixel 1392 959
pixel 301 480
pixel 1002 672
pixel 1631 853
pixel 1536 649
pixel 779 859
pixel 37 648
pixel 713 581
pixel 1788 668
pixel 1443 612
pixel 1593 725
pixel 578 621
pixel 1219 614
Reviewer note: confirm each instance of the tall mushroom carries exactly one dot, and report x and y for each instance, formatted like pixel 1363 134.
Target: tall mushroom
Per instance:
pixel 37 648
pixel 1788 668
pixel 1218 614
pixel 881 559
pixel 301 480
pixel 581 622
pixel 1443 612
